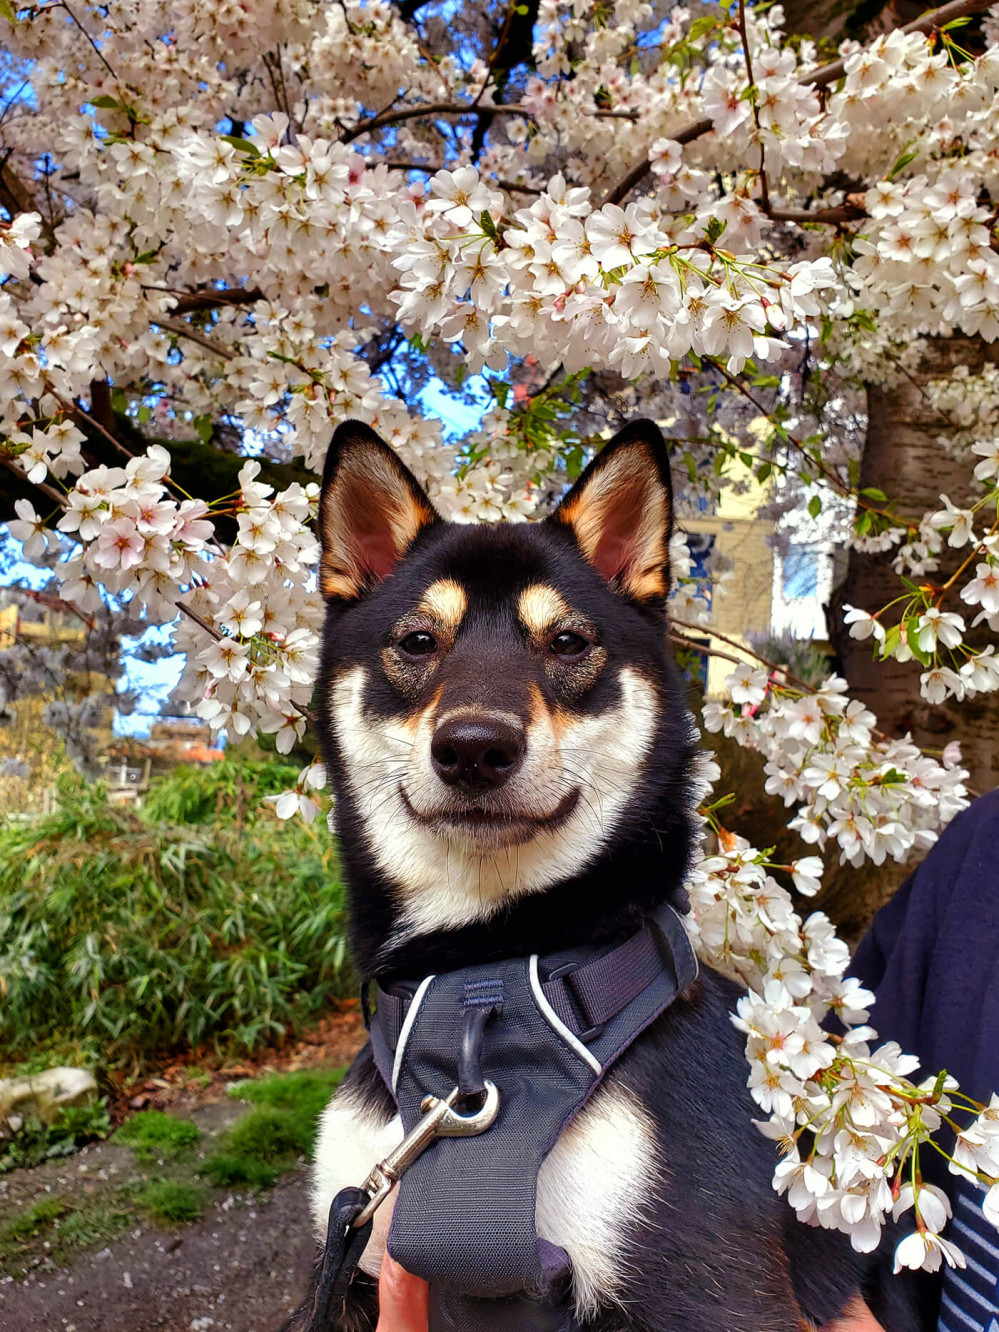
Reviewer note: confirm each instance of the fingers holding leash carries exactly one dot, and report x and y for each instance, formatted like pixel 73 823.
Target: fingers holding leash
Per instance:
pixel 403 1300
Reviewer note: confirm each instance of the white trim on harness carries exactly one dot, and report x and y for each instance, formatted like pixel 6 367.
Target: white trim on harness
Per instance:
pixel 556 1022
pixel 407 1027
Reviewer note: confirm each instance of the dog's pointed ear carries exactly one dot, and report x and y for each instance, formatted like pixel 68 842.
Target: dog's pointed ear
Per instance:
pixel 371 510
pixel 621 513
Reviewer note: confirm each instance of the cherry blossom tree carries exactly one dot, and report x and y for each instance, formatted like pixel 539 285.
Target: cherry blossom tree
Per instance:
pixel 241 224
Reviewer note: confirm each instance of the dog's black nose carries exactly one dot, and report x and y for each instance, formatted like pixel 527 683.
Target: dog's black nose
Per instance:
pixel 477 753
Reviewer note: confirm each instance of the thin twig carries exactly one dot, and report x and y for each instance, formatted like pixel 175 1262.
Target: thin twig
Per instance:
pixel 97 49
pixel 705 651
pixel 772 666
pixel 821 468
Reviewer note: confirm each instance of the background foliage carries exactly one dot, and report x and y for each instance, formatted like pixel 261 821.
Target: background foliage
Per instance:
pixel 201 919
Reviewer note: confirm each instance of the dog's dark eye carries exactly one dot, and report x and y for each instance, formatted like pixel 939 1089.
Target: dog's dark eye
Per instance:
pixel 568 644
pixel 418 644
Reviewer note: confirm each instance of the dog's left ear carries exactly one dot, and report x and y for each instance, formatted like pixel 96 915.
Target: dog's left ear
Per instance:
pixel 371 510
pixel 621 513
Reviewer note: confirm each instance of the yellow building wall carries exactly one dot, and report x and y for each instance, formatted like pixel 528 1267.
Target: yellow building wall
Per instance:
pixel 743 604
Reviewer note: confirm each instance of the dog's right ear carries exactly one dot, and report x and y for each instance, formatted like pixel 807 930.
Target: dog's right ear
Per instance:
pixel 371 510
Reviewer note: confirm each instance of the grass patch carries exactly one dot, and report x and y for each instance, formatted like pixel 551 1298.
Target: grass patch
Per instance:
pixel 280 1128
pixel 89 1226
pixel 171 1202
pixel 155 1136
pixel 37 1218
pixel 65 1230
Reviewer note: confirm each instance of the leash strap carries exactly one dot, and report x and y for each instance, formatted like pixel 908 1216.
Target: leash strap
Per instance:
pixel 344 1247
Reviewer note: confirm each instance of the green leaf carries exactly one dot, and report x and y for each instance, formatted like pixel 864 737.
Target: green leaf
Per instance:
pixel 766 381
pixel 910 628
pixel 893 637
pixel 105 102
pixel 716 228
pixel 700 26
pixel 488 225
pixel 872 492
pixel 7 11
pixel 763 472
pixel 242 145
pixel 815 506
pixel 901 162
pixel 205 428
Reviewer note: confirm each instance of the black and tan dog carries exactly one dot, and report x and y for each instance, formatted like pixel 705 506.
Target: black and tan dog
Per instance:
pixel 510 755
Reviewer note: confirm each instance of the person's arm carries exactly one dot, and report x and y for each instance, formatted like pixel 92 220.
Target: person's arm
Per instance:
pixel 403 1300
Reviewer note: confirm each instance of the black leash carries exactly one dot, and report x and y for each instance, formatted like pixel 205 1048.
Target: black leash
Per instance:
pixel 344 1245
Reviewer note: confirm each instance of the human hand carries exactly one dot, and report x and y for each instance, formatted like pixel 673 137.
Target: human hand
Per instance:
pixel 403 1300
pixel 856 1317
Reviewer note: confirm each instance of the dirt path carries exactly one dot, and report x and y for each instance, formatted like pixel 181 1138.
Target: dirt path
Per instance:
pixel 243 1267
pixel 239 1269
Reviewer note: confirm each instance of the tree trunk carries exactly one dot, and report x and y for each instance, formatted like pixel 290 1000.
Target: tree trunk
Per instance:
pixel 903 458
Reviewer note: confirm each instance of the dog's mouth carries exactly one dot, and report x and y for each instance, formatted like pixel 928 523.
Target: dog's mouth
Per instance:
pixel 496 828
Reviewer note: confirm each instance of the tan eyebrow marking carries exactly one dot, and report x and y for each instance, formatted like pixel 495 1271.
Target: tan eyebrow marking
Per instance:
pixel 540 607
pixel 446 602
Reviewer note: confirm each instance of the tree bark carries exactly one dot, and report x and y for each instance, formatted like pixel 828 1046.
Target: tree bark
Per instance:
pixel 904 458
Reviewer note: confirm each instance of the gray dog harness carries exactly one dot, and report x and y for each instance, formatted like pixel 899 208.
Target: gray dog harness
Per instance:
pixel 531 1039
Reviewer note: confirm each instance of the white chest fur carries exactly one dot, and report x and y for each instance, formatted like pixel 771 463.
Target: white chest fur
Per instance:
pixel 597 1180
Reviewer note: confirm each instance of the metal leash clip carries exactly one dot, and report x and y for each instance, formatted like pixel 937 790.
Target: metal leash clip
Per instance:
pixel 439 1120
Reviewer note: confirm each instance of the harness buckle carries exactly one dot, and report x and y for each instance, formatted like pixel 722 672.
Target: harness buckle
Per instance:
pixel 439 1120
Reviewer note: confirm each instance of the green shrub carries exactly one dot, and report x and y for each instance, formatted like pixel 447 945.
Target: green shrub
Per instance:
pixel 148 936
pixel 224 793
pixel 171 1202
pixel 155 1136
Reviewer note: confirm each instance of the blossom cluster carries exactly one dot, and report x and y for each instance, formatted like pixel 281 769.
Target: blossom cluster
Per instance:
pixel 847 1116
pixel 875 797
pixel 632 288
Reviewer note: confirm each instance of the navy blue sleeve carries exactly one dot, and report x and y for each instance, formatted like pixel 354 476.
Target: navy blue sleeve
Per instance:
pixel 932 955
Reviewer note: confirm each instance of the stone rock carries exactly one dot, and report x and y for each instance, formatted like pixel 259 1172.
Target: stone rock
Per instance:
pixel 44 1095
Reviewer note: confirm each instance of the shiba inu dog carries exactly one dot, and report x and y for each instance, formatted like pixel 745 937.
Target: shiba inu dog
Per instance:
pixel 510 753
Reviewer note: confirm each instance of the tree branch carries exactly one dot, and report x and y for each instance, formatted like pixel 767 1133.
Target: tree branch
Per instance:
pixel 429 109
pixel 817 78
pixel 45 489
pixel 42 486
pixel 194 335
pixel 213 299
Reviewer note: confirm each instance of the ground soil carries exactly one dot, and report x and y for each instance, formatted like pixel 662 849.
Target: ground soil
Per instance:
pixel 243 1267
